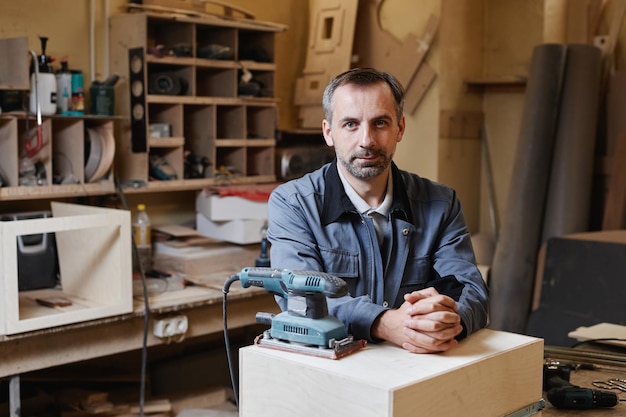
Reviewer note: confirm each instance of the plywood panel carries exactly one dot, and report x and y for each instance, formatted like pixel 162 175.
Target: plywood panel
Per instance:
pixel 329 52
pixel 385 380
pixel 14 61
pixel 98 283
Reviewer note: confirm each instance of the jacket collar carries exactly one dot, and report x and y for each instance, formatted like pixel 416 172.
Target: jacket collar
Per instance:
pixel 336 201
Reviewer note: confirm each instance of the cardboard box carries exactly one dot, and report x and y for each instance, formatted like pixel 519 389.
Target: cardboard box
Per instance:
pixel 94 251
pixel 217 208
pixel 242 231
pixel 491 373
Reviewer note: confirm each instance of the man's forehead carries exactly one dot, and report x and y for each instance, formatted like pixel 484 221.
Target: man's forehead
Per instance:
pixel 357 103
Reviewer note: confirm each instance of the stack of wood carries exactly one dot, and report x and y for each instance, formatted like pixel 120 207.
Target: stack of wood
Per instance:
pixel 202 9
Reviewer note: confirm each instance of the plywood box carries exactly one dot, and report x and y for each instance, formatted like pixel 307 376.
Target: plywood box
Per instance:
pixel 491 373
pixel 94 252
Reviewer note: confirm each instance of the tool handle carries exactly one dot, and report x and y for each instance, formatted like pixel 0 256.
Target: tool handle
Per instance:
pixel 32 150
pixel 282 281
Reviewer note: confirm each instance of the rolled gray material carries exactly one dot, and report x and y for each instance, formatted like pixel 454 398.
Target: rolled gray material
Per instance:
pixel 512 272
pixel 571 177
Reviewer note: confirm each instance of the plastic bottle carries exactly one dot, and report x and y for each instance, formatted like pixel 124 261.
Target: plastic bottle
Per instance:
pixel 142 233
pixel 64 88
pixel 43 84
pixel 78 93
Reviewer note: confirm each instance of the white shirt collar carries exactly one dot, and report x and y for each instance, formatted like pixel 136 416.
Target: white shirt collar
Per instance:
pixel 360 204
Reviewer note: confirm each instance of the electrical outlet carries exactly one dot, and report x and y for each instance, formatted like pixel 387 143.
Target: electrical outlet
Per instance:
pixel 171 326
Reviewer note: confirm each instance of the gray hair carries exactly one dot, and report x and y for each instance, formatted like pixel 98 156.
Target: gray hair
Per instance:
pixel 362 77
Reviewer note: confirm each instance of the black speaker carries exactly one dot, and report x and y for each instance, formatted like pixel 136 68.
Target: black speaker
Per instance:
pixel 37 261
pixel 167 83
pixel 137 82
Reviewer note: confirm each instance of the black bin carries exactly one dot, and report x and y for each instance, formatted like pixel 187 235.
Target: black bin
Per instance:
pixel 37 261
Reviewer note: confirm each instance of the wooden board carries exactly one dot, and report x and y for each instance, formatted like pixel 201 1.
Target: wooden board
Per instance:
pixel 329 52
pixel 14 64
pixel 555 21
pixel 489 374
pixel 174 8
pixel 419 85
pixel 615 207
pixel 578 21
pixel 200 6
pixel 200 260
pixel 377 48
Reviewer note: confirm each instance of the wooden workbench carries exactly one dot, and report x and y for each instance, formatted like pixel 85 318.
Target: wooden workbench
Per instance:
pixel 46 348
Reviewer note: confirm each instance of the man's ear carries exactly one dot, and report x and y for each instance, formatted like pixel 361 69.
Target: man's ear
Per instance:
pixel 328 138
pixel 402 126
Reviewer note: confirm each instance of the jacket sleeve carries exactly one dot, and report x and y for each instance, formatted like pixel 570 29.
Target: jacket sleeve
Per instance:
pixel 454 259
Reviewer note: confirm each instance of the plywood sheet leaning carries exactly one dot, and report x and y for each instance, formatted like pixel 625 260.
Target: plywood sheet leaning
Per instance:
pixel 329 51
pixel 377 48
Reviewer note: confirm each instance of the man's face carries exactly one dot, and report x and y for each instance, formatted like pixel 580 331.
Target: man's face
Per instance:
pixel 365 129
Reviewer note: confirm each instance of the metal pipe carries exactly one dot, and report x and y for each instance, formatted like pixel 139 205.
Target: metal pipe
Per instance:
pixel 32 150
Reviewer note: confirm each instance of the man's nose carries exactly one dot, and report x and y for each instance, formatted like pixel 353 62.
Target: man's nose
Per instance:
pixel 366 136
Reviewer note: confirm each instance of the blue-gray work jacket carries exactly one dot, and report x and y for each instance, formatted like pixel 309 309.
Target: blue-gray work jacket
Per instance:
pixel 314 226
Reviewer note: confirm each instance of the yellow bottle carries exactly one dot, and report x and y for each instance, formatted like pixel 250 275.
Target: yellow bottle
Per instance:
pixel 142 232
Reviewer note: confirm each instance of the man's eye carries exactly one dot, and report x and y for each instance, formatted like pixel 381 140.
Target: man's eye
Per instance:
pixel 349 125
pixel 381 122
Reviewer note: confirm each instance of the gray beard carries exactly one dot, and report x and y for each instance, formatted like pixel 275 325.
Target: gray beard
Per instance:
pixel 365 171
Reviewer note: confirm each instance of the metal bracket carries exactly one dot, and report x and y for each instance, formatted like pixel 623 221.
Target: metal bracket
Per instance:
pixel 528 411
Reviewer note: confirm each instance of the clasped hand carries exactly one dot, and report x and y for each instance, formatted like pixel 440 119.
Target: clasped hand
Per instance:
pixel 427 322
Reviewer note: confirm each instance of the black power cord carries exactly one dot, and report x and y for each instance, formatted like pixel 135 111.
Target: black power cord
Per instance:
pixel 231 370
pixel 262 261
pixel 146 317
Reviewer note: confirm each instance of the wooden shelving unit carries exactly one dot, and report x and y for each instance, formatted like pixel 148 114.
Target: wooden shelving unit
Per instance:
pixel 62 155
pixel 210 118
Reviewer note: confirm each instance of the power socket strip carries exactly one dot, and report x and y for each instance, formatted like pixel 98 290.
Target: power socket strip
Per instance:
pixel 171 326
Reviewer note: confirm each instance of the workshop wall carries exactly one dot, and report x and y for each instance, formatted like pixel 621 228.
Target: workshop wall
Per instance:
pixel 490 39
pixel 511 30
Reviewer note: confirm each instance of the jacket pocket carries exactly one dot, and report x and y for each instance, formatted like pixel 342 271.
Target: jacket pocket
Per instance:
pixel 340 263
